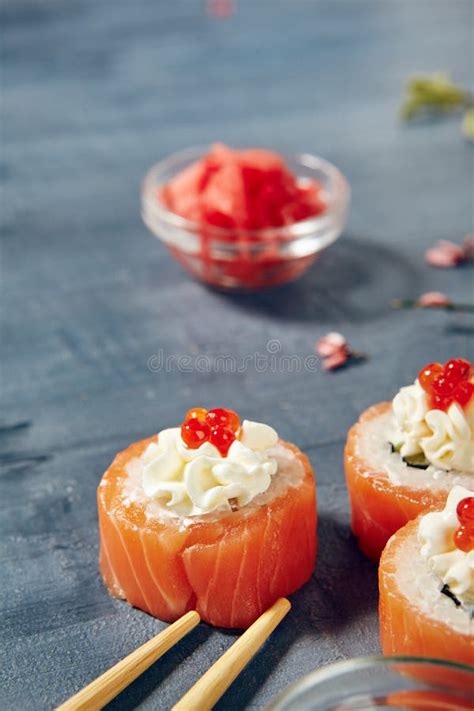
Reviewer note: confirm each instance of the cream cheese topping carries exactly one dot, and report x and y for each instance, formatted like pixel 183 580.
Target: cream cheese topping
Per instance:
pixel 193 482
pixel 445 439
pixel 436 535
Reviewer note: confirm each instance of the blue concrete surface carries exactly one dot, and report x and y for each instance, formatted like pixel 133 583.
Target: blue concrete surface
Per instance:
pixel 92 94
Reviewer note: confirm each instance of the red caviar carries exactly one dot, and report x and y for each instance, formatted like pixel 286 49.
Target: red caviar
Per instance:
pixel 428 373
pixel 218 426
pixel 196 412
pixel 447 383
pixel 226 418
pixel 464 539
pixel 464 536
pixel 222 438
pixel 194 432
pixel 465 511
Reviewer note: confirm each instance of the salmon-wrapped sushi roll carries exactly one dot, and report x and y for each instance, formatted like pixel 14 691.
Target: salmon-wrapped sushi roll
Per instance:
pixel 214 516
pixel 403 457
pixel 426 581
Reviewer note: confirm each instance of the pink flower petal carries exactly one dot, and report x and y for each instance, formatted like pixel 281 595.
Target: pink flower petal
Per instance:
pixel 450 248
pixel 468 248
pixel 330 344
pixel 434 298
pixel 220 8
pixel 337 360
pixel 444 254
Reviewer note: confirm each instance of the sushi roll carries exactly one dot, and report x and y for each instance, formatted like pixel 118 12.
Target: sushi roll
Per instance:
pixel 426 581
pixel 215 516
pixel 403 457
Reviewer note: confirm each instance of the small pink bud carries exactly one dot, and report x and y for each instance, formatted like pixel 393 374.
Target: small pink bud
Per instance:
pixel 330 344
pixel 444 254
pixel 220 8
pixel 434 298
pixel 468 248
pixel 450 247
pixel 336 360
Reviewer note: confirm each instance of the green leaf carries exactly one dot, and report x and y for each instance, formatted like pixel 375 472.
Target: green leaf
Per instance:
pixel 432 94
pixel 468 125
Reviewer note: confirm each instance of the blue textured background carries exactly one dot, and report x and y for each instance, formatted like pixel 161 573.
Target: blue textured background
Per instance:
pixel 92 94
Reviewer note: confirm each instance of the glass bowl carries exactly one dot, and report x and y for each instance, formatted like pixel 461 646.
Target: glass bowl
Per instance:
pixel 236 259
pixel 372 683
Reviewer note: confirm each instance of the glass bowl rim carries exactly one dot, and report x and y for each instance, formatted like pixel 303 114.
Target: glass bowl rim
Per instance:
pixel 335 669
pixel 338 201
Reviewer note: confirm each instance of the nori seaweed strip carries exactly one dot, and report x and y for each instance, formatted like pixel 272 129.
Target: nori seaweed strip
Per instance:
pixel 446 591
pixel 415 465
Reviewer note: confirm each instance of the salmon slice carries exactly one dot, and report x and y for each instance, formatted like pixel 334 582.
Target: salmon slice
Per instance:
pixel 229 568
pixel 380 507
pixel 416 618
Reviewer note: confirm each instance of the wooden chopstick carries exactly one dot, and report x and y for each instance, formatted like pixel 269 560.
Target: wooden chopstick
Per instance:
pixel 103 689
pixel 208 690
